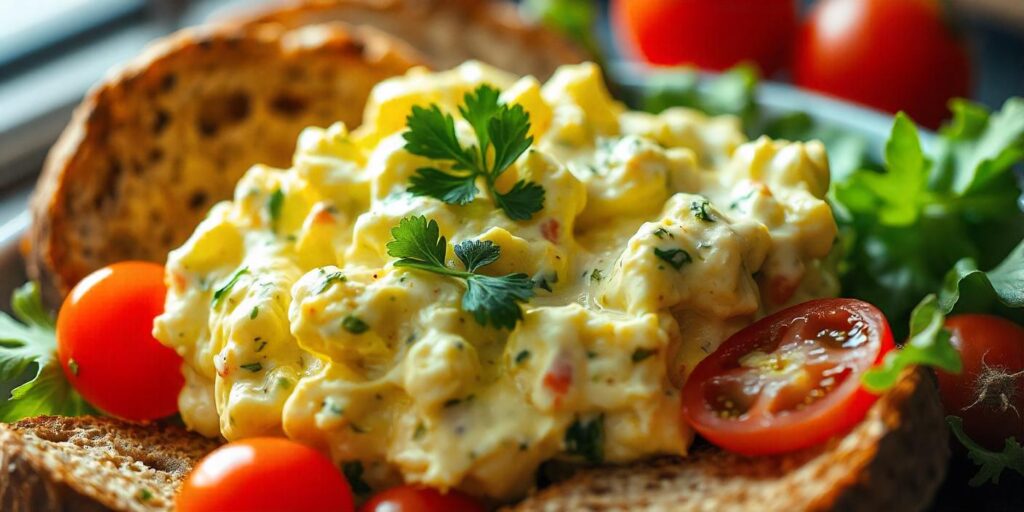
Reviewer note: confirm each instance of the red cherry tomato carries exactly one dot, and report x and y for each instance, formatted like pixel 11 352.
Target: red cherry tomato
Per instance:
pixel 410 498
pixel 790 380
pixel 714 34
pixel 105 342
pixel 265 474
pixel 989 392
pixel 889 54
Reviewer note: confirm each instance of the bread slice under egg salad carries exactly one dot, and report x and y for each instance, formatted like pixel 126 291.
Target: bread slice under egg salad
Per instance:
pixel 646 240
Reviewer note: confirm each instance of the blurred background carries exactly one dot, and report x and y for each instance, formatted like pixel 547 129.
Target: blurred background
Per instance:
pixel 890 54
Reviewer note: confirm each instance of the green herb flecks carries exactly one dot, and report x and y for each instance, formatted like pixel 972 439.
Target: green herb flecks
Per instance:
pixel 353 472
pixel 254 313
pixel 642 353
pixel 596 276
pixel 676 258
pixel 354 324
pixel 522 356
pixel 700 210
pixel 586 439
pixel 252 367
pixel 224 290
pixel 329 279
pixel 492 300
pixel 275 203
pixel 30 342
pixel 497 126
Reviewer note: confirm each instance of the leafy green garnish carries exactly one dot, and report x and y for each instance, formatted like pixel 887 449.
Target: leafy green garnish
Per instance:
pixel 354 324
pixel 499 128
pixel 731 92
pixel 967 288
pixel 586 439
pixel 676 258
pixel 991 463
pixel 32 341
pixel 223 291
pixel 329 279
pixel 252 367
pixel 274 204
pixel 929 344
pixel 492 300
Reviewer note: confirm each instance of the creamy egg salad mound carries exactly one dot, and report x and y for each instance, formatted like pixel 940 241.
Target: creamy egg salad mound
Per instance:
pixel 659 236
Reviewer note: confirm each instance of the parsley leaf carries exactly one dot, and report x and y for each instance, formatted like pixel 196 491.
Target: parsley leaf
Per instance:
pixel 991 463
pixel 33 342
pixel 586 439
pixel 492 300
pixel 503 128
pixel 929 344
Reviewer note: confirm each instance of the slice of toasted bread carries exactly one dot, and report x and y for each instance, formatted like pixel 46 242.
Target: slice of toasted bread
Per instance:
pixel 448 32
pixel 89 463
pixel 894 460
pixel 154 145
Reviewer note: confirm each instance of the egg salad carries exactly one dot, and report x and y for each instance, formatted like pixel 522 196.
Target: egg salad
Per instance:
pixel 654 238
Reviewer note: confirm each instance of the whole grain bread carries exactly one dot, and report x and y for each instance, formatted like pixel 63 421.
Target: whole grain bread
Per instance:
pixel 894 460
pixel 153 146
pixel 447 32
pixel 91 464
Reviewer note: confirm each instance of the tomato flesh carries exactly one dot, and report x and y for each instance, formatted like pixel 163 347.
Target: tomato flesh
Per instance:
pixel 989 392
pixel 411 498
pixel 261 474
pixel 106 346
pixel 790 380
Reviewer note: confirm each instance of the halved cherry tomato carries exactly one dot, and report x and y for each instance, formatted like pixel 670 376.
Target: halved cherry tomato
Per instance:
pixel 265 473
pixel 411 498
pixel 790 380
pixel 989 392
pixel 105 342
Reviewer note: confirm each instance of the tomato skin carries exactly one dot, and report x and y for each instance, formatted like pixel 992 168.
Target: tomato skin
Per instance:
pixel 986 342
pixel 892 55
pixel 714 35
pixel 769 431
pixel 411 498
pixel 265 474
pixel 105 342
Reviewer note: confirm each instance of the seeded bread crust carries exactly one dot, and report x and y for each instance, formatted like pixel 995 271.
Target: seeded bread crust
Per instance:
pixel 447 32
pixel 894 460
pixel 158 142
pixel 94 464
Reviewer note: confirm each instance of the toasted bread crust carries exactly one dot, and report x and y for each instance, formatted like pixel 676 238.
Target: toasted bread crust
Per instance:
pixel 448 32
pixel 894 460
pixel 93 464
pixel 160 140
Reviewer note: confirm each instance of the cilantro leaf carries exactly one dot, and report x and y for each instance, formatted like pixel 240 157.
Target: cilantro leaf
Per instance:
pixel 33 342
pixel 521 201
pixel 991 463
pixel 503 128
pixel 929 344
pixel 491 300
pixel 451 188
pixel 475 254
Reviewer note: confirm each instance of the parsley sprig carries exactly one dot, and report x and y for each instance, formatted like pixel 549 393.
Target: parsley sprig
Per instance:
pixel 497 126
pixel 492 300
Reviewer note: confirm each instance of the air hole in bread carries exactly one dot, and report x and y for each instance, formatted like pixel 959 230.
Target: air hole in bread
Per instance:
pixel 156 155
pixel 289 105
pixel 196 200
pixel 222 111
pixel 160 120
pixel 168 82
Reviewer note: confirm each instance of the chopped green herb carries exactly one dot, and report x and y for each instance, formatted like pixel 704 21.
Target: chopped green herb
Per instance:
pixel 596 275
pixel 642 353
pixel 700 210
pixel 284 384
pixel 333 277
pixel 73 366
pixel 254 313
pixel 274 204
pixel 421 430
pixel 674 257
pixel 356 428
pixel 522 356
pixel 492 300
pixel 144 495
pixel 224 290
pixel 353 472
pixel 431 134
pixel 452 402
pixel 586 439
pixel 252 367
pixel 661 233
pixel 354 325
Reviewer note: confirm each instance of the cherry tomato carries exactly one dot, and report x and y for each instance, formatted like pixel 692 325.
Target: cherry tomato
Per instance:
pixel 265 474
pixel 714 34
pixel 411 498
pixel 105 342
pixel 889 54
pixel 790 380
pixel 989 393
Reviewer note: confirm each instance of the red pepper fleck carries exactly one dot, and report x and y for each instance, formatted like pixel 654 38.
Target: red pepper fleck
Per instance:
pixel 550 230
pixel 323 216
pixel 559 377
